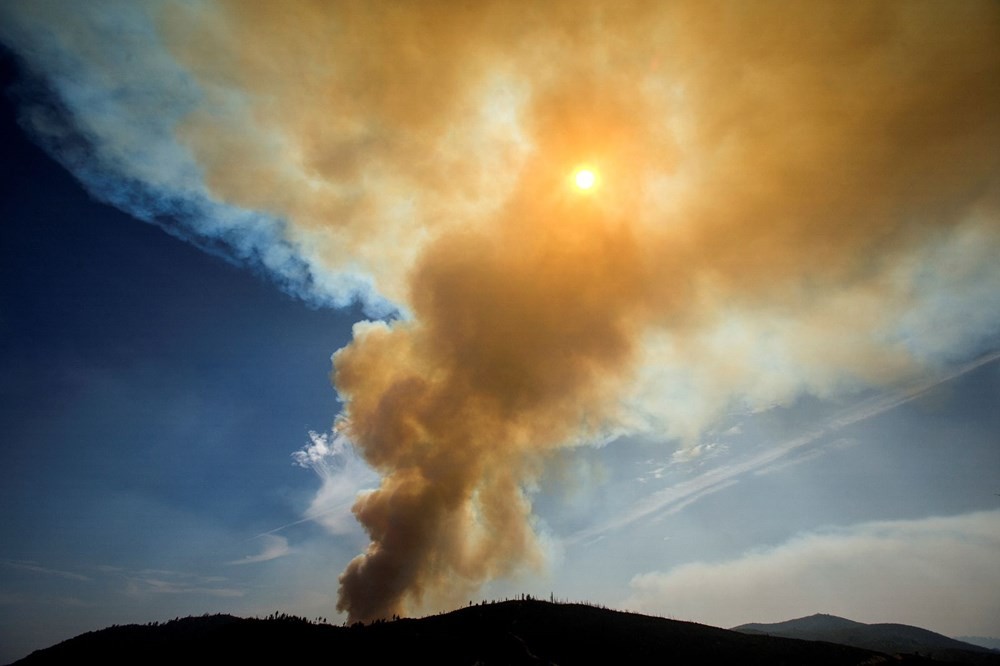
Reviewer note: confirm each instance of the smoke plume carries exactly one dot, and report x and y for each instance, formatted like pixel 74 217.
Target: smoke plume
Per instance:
pixel 791 197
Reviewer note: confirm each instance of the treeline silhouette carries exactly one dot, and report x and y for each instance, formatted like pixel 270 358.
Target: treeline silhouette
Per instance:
pixel 276 616
pixel 518 631
pixel 489 602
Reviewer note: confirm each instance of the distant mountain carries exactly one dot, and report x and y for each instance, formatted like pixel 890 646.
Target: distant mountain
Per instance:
pixel 982 641
pixel 887 638
pixel 515 632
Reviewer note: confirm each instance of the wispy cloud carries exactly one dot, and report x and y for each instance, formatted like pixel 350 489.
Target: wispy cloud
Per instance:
pixel 343 474
pixel 36 568
pixel 798 458
pixel 939 573
pixel 274 546
pixel 680 495
pixel 23 600
pixel 140 585
pixel 146 581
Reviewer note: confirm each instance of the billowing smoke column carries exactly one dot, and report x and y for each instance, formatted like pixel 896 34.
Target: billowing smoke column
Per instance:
pixel 791 197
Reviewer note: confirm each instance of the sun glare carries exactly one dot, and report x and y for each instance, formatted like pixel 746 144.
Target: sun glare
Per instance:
pixel 585 178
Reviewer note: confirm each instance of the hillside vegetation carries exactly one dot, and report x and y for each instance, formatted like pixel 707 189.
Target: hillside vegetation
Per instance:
pixel 512 632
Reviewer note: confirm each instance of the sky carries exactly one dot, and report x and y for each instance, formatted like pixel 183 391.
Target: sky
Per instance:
pixel 303 309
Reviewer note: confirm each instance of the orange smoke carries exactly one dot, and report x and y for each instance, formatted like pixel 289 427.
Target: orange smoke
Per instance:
pixel 769 174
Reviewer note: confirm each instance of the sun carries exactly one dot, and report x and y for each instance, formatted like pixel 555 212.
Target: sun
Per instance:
pixel 585 178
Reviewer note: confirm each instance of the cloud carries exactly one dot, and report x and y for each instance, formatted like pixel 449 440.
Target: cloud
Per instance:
pixel 343 474
pixel 777 455
pixel 142 585
pixel 792 198
pixel 36 568
pixel 274 546
pixel 940 573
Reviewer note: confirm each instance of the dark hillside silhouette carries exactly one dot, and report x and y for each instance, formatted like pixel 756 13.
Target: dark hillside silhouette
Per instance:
pixel 987 642
pixel 513 632
pixel 888 638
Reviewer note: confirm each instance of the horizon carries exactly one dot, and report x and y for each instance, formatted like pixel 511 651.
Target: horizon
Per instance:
pixel 804 629
pixel 402 356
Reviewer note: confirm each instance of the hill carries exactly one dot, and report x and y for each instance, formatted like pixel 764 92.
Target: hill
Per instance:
pixel 887 638
pixel 982 641
pixel 514 632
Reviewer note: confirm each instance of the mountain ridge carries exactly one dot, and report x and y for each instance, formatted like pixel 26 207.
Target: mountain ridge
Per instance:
pixel 988 642
pixel 512 632
pixel 886 637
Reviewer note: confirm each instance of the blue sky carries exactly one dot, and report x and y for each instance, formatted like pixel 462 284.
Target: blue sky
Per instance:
pixel 153 396
pixel 790 440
